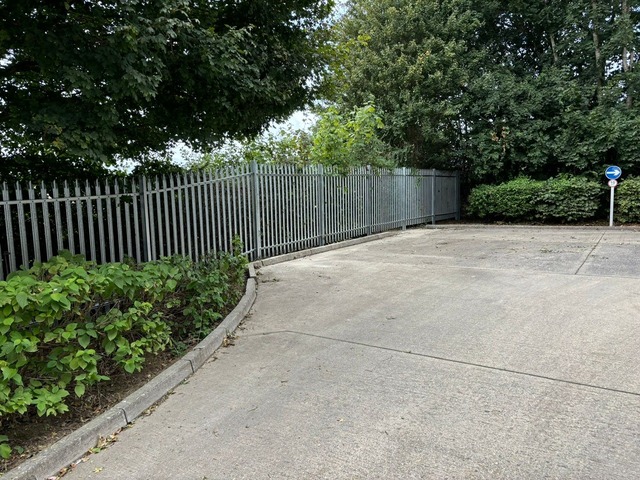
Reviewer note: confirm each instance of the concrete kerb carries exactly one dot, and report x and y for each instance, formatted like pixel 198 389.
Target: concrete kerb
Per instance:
pixel 158 387
pixel 75 445
pixel 482 226
pixel 70 448
pixel 201 352
pixel 325 248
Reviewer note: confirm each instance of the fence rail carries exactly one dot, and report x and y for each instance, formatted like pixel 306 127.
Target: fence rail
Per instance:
pixel 274 209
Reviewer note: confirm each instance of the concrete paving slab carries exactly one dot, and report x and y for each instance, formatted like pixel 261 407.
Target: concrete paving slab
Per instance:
pixel 542 250
pixel 490 316
pixel 290 406
pixel 466 353
pixel 617 254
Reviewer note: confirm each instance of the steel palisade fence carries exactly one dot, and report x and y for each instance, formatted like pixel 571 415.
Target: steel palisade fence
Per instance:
pixel 273 209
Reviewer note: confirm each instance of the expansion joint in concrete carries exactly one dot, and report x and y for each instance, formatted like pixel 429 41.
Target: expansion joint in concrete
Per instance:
pixel 452 360
pixel 589 254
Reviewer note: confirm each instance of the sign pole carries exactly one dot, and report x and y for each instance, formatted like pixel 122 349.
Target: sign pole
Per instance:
pixel 611 207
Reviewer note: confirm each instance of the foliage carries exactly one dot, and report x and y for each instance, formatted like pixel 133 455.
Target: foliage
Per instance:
pixel 338 139
pixel 67 324
pixel 288 146
pixel 498 89
pixel 408 56
pixel 210 285
pixel 568 199
pixel 514 200
pixel 345 140
pixel 564 199
pixel 84 82
pixel 154 165
pixel 628 200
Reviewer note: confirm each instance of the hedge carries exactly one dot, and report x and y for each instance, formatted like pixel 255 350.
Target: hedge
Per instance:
pixel 627 207
pixel 563 199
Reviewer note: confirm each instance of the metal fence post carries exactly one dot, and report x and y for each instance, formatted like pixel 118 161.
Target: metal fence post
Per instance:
pixel 369 201
pixel 22 228
pixel 458 200
pixel 403 198
pixel 320 203
pixel 8 225
pixel 433 196
pixel 257 230
pixel 146 227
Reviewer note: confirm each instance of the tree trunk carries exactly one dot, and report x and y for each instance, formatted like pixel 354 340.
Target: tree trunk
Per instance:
pixel 628 57
pixel 554 48
pixel 625 51
pixel 597 49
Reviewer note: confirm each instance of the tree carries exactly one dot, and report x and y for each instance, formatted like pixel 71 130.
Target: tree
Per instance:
pixel 409 56
pixel 341 140
pixel 556 96
pixel 498 88
pixel 82 81
pixel 350 139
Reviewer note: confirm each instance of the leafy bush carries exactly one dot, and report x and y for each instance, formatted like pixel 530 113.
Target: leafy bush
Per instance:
pixel 514 200
pixel 568 199
pixel 67 324
pixel 628 200
pixel 211 285
pixel 349 139
pixel 564 199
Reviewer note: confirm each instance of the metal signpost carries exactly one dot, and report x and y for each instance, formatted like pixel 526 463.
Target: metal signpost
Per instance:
pixel 613 174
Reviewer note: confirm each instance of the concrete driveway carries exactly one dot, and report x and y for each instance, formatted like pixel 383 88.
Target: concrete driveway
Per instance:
pixel 450 353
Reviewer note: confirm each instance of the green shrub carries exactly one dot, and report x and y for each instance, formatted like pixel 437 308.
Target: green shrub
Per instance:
pixel 514 200
pixel 564 199
pixel 568 199
pixel 628 200
pixel 61 319
pixel 211 285
pixel 67 324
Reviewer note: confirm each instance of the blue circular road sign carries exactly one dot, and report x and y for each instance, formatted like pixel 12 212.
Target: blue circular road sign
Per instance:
pixel 613 172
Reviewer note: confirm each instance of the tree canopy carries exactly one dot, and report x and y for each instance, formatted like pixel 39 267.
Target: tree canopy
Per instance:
pixel 498 88
pixel 83 82
pixel 340 140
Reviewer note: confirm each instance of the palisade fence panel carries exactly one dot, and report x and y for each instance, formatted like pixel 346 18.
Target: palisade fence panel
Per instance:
pixel 289 206
pixel 272 209
pixel 100 221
